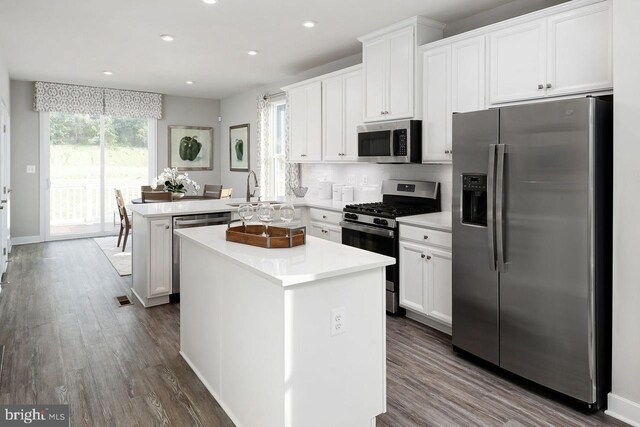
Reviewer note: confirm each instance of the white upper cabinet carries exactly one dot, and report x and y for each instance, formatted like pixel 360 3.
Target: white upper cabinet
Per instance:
pixel 580 56
pixel 389 61
pixel 305 122
pixel 468 75
pixel 517 62
pixel 436 105
pixel 453 81
pixel 341 115
pixel 400 78
pixel 566 53
pixel 374 55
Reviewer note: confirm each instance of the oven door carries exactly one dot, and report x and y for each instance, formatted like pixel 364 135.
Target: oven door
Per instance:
pixel 379 240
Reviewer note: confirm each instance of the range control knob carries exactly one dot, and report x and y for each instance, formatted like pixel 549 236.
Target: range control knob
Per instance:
pixel 380 221
pixel 350 216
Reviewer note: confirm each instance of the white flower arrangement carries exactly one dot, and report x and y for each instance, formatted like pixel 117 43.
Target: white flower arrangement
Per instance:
pixel 175 182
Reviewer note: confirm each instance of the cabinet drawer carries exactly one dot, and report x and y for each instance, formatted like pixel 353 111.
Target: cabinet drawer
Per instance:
pixel 325 216
pixel 425 235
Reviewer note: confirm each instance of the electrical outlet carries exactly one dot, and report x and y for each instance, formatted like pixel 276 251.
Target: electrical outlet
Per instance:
pixel 31 168
pixel 365 180
pixel 338 321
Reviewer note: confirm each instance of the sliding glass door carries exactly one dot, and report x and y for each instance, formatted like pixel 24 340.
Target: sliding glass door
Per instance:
pixel 89 156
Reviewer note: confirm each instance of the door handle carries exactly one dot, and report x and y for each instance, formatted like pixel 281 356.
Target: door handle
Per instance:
pixel 500 207
pixel 491 206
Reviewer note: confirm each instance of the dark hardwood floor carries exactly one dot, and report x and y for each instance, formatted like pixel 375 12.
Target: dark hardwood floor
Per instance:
pixel 68 341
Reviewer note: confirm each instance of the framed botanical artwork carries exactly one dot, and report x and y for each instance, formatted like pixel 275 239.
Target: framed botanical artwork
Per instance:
pixel 239 148
pixel 191 148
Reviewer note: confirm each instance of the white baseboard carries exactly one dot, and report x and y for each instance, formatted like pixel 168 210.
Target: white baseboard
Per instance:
pixel 25 240
pixel 624 410
pixel 432 323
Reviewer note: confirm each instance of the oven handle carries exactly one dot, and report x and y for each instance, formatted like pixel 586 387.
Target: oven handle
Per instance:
pixel 368 229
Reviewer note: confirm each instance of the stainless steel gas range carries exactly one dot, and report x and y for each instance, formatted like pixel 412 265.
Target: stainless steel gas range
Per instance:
pixel 373 226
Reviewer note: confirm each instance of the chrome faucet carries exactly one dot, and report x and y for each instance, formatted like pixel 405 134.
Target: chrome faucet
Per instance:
pixel 255 181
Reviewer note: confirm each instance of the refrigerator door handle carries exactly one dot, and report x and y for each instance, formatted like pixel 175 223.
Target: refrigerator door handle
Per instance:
pixel 490 206
pixel 499 199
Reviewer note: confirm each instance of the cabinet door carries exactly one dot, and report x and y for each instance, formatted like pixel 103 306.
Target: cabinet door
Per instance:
pixel 297 124
pixel 334 233
pixel 580 56
pixel 438 285
pixel 374 55
pixel 517 63
pixel 400 78
pixel 160 257
pixel 332 118
pixel 352 114
pixel 412 275
pixel 318 230
pixel 436 120
pixel 314 122
pixel 468 75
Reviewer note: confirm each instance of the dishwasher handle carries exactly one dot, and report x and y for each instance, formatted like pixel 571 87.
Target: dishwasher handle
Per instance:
pixel 178 223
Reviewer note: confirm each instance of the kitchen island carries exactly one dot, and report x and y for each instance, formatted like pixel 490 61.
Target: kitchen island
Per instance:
pixel 285 337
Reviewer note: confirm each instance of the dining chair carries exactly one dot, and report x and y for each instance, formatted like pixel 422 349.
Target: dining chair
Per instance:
pixel 125 221
pixel 156 196
pixel 226 193
pixel 212 191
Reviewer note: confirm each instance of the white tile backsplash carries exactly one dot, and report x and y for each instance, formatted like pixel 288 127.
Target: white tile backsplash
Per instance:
pixel 367 178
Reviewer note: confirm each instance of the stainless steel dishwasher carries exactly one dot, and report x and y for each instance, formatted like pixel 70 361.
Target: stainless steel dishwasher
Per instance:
pixel 189 221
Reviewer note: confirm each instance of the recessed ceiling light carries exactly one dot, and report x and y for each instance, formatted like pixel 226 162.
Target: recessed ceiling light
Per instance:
pixel 252 52
pixel 309 24
pixel 167 37
pixel 107 73
pixel 189 82
pixel 210 1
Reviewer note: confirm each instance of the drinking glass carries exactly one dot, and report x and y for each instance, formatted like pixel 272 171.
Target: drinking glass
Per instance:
pixel 265 215
pixel 245 212
pixel 287 214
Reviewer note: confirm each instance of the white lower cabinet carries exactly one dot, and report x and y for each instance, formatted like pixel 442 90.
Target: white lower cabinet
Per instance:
pixel 160 254
pixel 152 263
pixel 325 224
pixel 425 279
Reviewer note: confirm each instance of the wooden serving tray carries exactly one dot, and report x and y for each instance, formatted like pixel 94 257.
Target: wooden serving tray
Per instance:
pixel 278 237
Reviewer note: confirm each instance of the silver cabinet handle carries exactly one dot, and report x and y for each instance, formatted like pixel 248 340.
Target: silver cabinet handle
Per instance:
pixel 540 87
pixel 490 206
pixel 548 85
pixel 303 155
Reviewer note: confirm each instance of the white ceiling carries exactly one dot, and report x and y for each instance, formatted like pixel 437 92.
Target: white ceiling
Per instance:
pixel 73 41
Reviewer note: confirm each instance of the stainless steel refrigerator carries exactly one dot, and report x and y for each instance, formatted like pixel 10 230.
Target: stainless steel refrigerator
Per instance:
pixel 532 202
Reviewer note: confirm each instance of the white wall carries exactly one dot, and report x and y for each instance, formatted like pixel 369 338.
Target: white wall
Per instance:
pixel 179 110
pixel 4 80
pixel 25 197
pixel 625 397
pixel 497 14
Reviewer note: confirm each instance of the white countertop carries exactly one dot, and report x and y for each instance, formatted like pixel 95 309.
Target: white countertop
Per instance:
pixel 437 221
pixel 317 259
pixel 193 207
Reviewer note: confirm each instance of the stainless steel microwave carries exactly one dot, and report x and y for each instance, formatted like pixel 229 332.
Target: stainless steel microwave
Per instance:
pixel 390 142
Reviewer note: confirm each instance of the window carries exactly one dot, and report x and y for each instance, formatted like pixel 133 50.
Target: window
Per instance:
pixel 277 147
pixel 88 156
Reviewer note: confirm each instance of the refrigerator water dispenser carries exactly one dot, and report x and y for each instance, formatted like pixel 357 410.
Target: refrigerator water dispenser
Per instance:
pixel 474 199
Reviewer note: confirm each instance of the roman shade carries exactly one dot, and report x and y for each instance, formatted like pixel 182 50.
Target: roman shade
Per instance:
pixel 64 98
